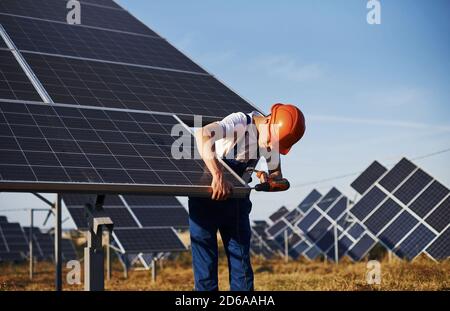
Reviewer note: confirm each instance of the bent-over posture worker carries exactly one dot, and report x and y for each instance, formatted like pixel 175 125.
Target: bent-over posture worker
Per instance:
pixel 230 216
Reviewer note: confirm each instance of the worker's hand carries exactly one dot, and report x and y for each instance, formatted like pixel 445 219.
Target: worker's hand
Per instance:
pixel 221 188
pixel 262 176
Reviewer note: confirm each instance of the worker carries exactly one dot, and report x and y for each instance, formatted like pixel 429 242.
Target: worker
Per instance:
pixel 230 216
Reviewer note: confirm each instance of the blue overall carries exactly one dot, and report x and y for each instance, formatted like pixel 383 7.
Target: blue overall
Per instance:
pixel 231 219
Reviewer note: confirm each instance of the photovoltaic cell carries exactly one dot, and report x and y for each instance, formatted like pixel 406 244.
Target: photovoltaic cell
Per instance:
pixel 440 248
pixel 356 230
pixel 397 174
pixel 440 217
pixel 360 249
pixel 93 16
pixel 149 240
pixel 398 229
pixel 329 199
pixel 162 216
pixel 91 83
pixel 154 201
pixel 309 201
pixel 319 229
pixel 413 186
pixel 119 215
pixel 14 84
pixel 307 221
pixel 415 242
pixel 282 211
pixel 368 177
pixel 55 38
pixel 140 153
pixel 384 214
pixel 367 203
pixel 428 199
pixel 276 227
pixel 338 208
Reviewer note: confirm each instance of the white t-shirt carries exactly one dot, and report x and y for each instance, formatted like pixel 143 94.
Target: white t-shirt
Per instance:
pixel 235 128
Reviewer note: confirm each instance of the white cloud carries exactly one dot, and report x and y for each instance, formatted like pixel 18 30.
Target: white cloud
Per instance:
pixel 288 68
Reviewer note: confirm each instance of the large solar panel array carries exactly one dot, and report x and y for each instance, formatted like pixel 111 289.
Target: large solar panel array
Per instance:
pixel 43 245
pixel 111 87
pixel 13 244
pixel 135 217
pixel 329 215
pixel 406 208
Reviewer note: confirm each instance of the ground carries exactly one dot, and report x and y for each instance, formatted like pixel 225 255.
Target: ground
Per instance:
pixel 422 274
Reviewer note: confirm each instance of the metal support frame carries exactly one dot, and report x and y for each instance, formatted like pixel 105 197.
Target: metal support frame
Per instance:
pixel 93 252
pixel 30 241
pixel 286 246
pixel 58 257
pixel 336 246
pixel 154 270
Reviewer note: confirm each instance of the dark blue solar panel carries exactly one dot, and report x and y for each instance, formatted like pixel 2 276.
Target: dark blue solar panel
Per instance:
pixel 296 251
pixel 326 241
pixel 415 243
pixel 384 214
pixel 276 227
pixel 293 215
pixel 319 229
pixel 429 199
pixel 310 199
pixel 308 220
pixel 368 177
pixel 416 183
pixel 440 248
pixel 312 253
pixel 367 203
pixel 329 198
pixel 398 229
pixel 397 174
pixel 360 249
pixel 344 244
pixel 338 208
pixel 440 217
pixel 356 230
pixel 279 213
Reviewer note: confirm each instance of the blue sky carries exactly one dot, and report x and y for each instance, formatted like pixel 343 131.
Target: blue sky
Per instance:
pixel 368 91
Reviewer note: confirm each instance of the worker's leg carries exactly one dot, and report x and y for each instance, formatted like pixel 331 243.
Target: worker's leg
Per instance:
pixel 203 231
pixel 236 234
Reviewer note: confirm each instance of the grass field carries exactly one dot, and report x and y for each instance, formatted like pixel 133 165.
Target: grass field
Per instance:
pixel 422 274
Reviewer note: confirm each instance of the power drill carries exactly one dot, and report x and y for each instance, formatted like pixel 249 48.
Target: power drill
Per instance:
pixel 271 184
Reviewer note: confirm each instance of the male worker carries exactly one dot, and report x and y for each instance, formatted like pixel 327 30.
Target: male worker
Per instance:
pixel 230 216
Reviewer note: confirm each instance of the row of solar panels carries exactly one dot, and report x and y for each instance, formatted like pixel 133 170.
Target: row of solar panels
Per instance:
pixel 404 209
pixel 143 225
pixel 14 243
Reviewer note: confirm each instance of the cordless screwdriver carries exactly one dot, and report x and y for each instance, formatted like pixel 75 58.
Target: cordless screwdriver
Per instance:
pixel 271 184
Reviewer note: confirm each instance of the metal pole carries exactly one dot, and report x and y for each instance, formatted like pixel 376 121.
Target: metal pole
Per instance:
pixel 58 262
pixel 108 257
pixel 30 242
pixel 389 256
pixel 336 250
pixel 286 246
pixel 153 270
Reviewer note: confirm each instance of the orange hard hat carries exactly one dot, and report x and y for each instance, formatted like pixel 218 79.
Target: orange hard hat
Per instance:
pixel 291 125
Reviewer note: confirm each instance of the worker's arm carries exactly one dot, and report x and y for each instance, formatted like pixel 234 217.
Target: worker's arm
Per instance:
pixel 206 138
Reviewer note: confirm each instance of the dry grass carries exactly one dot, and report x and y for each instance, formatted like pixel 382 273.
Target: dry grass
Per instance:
pixel 422 274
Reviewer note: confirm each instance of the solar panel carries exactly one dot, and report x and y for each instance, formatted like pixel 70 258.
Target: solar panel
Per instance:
pixel 107 3
pixel 279 213
pixel 14 241
pixel 68 250
pixel 154 201
pixel 91 16
pixel 309 200
pixel 407 210
pixel 102 148
pixel 100 84
pixel 148 240
pixel 14 84
pixel 161 216
pixel 368 177
pixel 440 248
pixel 329 198
pixel 64 39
